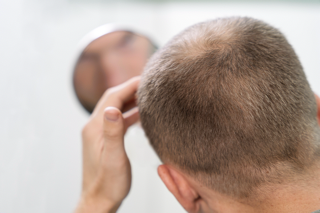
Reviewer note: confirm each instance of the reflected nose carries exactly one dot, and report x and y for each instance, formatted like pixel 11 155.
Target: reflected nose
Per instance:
pixel 112 65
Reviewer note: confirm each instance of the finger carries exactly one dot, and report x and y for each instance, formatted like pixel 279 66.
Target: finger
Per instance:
pixel 129 105
pixel 131 117
pixel 117 96
pixel 113 129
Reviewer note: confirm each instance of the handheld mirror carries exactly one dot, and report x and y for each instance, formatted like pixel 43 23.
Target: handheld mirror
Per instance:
pixel 109 55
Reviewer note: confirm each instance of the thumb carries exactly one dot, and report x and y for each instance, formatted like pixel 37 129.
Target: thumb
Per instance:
pixel 113 127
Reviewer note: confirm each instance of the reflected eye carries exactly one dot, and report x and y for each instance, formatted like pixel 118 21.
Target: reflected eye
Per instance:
pixel 126 40
pixel 85 58
pixel 88 63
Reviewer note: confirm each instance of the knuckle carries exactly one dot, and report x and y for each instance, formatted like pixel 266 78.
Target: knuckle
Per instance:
pixel 112 132
pixel 87 129
pixel 135 78
pixel 110 91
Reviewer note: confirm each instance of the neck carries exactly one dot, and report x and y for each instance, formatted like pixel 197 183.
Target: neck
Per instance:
pixel 303 196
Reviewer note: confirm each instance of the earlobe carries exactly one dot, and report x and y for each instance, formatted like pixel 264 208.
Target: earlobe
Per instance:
pixel 318 107
pixel 179 187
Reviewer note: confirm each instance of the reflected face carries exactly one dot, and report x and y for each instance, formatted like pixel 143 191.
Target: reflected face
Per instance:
pixel 108 61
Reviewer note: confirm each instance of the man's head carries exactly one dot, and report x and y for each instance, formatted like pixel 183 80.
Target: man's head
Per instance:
pixel 227 102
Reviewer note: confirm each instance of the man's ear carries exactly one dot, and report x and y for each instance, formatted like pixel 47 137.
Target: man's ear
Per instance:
pixel 178 185
pixel 318 104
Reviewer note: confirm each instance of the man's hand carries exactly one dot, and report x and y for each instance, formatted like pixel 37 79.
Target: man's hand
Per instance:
pixel 106 167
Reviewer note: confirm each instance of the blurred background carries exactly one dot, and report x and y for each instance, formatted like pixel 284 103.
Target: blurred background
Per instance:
pixel 40 117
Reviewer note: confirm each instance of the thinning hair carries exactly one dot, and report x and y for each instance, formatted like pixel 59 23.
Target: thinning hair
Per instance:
pixel 227 101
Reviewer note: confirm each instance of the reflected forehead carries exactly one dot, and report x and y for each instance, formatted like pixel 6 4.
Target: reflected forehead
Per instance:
pixel 105 41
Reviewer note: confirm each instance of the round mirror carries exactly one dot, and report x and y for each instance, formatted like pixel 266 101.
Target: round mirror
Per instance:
pixel 109 56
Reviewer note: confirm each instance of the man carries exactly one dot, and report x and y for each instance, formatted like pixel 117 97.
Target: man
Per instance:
pixel 227 107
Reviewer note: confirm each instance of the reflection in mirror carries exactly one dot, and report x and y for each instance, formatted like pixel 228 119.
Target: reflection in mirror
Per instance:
pixel 107 61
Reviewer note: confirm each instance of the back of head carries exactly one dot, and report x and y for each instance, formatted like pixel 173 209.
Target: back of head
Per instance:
pixel 227 102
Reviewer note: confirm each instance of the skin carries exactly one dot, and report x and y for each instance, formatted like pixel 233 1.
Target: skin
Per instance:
pixel 107 171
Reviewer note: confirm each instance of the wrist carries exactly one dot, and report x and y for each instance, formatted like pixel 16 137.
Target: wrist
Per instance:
pixel 96 205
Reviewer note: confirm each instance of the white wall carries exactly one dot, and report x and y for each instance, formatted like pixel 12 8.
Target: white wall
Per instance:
pixel 40 152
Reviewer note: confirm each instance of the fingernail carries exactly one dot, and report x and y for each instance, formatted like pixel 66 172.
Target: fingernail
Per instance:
pixel 112 115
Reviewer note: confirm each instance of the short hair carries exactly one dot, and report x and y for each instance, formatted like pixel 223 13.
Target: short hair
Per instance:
pixel 227 102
